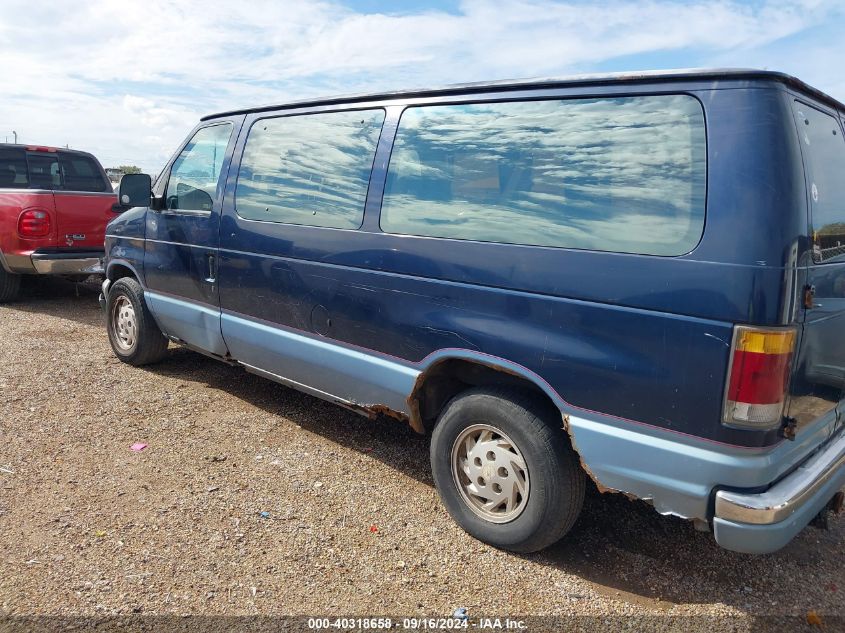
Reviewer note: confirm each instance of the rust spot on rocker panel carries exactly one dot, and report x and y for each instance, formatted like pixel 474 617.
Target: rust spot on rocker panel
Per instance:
pixel 374 411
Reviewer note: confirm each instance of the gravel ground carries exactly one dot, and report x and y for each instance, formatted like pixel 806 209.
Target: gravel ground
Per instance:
pixel 89 527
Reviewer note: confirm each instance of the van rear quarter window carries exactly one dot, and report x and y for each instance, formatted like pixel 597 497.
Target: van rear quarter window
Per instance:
pixel 621 174
pixel 824 158
pixel 311 169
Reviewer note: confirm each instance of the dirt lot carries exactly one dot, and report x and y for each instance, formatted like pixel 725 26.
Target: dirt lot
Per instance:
pixel 88 526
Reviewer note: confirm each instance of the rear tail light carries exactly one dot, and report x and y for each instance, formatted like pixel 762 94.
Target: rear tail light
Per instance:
pixel 34 223
pixel 758 377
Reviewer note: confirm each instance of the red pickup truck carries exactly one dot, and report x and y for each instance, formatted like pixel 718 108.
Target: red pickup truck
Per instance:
pixel 54 206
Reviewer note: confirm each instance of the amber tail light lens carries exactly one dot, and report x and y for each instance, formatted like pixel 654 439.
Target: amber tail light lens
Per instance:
pixel 34 223
pixel 758 377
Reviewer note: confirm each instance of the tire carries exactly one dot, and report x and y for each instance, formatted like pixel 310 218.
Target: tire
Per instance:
pixel 10 286
pixel 530 433
pixel 133 333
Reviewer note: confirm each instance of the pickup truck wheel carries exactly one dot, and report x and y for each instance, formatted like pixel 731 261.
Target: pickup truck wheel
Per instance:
pixel 10 286
pixel 133 333
pixel 505 470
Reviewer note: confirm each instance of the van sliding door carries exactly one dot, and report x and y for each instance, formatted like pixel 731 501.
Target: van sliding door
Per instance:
pixel 295 255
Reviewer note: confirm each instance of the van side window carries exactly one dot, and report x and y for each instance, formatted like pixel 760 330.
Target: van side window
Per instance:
pixel 13 173
pixel 195 174
pixel 311 169
pixel 824 162
pixel 81 173
pixel 613 174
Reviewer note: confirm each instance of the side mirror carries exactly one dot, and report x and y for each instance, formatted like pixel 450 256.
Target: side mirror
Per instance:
pixel 135 190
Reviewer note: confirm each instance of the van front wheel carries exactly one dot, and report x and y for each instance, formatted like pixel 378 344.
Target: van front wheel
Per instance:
pixel 504 469
pixel 133 333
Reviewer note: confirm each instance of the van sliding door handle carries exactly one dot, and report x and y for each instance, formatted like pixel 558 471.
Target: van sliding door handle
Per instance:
pixel 212 269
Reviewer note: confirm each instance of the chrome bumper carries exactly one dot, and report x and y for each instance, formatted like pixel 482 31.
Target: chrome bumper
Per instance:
pixel 67 264
pixel 783 499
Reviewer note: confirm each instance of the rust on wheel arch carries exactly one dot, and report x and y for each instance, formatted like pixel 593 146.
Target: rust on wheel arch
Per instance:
pixel 415 419
pixel 601 487
pixel 416 422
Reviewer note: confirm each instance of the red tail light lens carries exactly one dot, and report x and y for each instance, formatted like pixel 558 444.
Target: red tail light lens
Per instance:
pixel 758 378
pixel 34 223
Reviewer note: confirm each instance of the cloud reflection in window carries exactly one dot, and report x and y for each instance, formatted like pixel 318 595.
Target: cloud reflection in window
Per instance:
pixel 617 174
pixel 309 169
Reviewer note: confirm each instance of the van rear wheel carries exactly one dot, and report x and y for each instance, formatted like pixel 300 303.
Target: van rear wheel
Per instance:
pixel 10 286
pixel 133 333
pixel 505 470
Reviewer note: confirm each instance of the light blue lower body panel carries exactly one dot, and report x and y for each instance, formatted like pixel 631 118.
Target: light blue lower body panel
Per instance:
pixel 196 324
pixel 677 473
pixel 762 539
pixel 333 371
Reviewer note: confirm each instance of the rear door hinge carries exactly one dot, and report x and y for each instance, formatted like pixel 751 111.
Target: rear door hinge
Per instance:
pixel 789 428
pixel 809 296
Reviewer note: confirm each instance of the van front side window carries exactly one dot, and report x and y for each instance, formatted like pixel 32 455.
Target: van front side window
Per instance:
pixel 195 174
pixel 311 169
pixel 616 174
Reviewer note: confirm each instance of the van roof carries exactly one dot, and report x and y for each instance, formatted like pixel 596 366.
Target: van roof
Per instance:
pixel 551 82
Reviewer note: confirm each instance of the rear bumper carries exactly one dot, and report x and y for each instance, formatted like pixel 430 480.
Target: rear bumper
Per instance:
pixel 77 263
pixel 763 522
pixel 775 491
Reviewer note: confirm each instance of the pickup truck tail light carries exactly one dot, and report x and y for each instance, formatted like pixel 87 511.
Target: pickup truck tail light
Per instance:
pixel 34 223
pixel 758 377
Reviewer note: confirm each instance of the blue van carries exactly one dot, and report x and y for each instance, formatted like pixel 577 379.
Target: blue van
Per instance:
pixel 636 280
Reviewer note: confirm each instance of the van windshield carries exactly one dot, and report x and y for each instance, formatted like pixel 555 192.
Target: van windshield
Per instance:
pixel 824 159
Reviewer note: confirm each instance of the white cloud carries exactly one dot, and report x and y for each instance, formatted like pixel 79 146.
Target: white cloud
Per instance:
pixel 150 114
pixel 128 80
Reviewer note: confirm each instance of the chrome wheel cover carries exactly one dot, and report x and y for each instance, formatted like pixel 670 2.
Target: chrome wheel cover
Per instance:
pixel 124 324
pixel 490 473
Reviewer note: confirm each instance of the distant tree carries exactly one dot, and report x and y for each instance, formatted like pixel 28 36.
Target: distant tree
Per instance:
pixel 130 169
pixel 837 228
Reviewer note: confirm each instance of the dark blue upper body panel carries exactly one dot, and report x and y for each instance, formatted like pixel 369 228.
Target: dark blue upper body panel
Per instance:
pixel 762 188
pixel 644 338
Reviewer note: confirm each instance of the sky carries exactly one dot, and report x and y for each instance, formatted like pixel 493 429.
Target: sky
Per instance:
pixel 128 80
